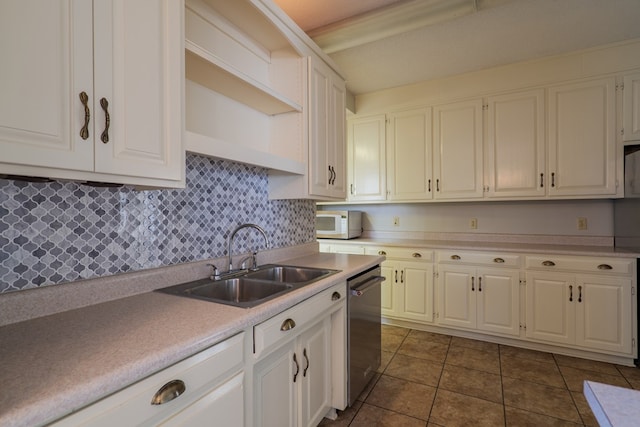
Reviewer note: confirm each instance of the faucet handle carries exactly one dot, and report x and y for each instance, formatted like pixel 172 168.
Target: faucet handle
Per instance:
pixel 254 261
pixel 216 272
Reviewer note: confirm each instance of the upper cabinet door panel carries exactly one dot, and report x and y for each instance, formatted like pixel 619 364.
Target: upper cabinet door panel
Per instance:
pixel 516 144
pixel 409 155
pixel 139 71
pixel 582 150
pixel 319 161
pixel 47 61
pixel 366 151
pixel 458 150
pixel 631 108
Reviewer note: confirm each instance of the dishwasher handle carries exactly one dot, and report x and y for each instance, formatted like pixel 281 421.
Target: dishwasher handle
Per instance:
pixel 368 284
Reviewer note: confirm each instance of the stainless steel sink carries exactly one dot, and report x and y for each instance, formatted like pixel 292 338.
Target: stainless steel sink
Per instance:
pixel 251 288
pixel 289 274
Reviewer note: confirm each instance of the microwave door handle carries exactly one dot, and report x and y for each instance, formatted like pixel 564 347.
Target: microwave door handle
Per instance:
pixel 366 286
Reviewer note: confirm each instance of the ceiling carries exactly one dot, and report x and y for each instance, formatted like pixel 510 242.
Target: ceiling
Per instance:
pixel 379 44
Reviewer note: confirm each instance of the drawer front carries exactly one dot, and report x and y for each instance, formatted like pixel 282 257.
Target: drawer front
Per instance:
pixel 580 264
pixel 413 254
pixel 289 323
pixel 199 374
pixel 493 259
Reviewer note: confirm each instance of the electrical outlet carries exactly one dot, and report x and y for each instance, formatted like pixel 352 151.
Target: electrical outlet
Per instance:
pixel 582 223
pixel 473 223
pixel 396 221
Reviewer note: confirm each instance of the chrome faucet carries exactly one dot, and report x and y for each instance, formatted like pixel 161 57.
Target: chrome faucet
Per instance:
pixel 233 234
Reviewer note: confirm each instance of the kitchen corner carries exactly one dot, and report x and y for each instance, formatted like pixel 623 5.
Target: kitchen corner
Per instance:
pixel 75 357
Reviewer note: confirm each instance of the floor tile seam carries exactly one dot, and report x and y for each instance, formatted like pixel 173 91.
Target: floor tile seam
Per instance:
pixel 395 412
pixel 471 395
pixel 472 368
pixel 594 372
pixel 544 414
pixel 531 359
pixel 566 386
pixel 412 381
pixel 584 422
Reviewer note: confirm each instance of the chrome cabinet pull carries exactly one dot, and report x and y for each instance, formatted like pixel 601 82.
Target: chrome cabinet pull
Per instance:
pixel 604 267
pixel 287 325
pixel 168 392
pixel 336 296
pixel 105 135
pixel 456 257
pixel 498 260
pixel 541 180
pixel 579 293
pixel 570 293
pixel 416 255
pixel 295 375
pixel 84 132
pixel 473 283
pixel 382 253
pixel 479 284
pixel 548 263
pixel 304 353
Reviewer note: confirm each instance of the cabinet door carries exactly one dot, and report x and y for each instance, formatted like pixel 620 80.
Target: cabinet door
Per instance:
pixel 550 312
pixel 631 108
pixel 582 149
pixel 224 405
pixel 314 354
pixel 139 72
pixel 515 148
pixel 498 301
pixel 458 150
pixel 337 143
pixel 275 393
pixel 603 313
pixel 366 158
pixel 47 61
pixel 457 296
pixel 414 291
pixel 409 155
pixel 387 288
pixel 319 80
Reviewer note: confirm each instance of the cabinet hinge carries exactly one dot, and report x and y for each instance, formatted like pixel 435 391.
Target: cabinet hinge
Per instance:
pixel 523 282
pixel 622 132
pixel 485 107
pixel 523 326
pixel 620 86
pixel 633 290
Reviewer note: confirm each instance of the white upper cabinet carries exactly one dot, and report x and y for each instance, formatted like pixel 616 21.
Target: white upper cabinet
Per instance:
pixel 457 139
pixel 515 148
pixel 631 108
pixel 327 162
pixel 92 91
pixel 409 157
pixel 366 158
pixel 582 149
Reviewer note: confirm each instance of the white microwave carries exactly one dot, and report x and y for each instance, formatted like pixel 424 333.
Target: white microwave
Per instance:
pixel 338 224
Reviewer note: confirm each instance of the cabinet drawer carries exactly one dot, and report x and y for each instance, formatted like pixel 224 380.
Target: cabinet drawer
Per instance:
pixel 286 325
pixel 494 259
pixel 581 264
pixel 132 405
pixel 413 254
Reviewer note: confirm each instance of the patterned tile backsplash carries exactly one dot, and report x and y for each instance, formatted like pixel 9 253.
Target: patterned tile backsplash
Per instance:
pixel 59 232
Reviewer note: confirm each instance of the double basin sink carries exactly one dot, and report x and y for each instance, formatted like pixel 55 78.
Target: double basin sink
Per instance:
pixel 251 288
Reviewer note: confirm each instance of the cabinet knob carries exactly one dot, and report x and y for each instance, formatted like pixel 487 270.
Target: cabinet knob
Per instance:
pixel 335 296
pixel 416 255
pixel 548 263
pixel 604 267
pixel 168 392
pixel 498 260
pixel 288 325
pixel 382 253
pixel 456 257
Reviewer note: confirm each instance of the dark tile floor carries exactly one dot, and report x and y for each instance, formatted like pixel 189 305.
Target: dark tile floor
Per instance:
pixel 429 379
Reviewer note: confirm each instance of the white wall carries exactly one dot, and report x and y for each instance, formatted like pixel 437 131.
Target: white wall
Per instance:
pixel 545 217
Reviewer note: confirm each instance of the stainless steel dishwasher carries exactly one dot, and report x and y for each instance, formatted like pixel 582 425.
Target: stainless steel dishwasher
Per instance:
pixel 364 335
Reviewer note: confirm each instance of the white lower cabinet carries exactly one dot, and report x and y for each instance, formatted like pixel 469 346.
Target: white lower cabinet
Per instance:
pixel 584 310
pixel 407 294
pixel 294 382
pixel 486 299
pixel 207 386
pixel 341 249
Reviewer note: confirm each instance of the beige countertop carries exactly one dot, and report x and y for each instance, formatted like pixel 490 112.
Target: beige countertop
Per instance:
pixel 503 246
pixel 56 364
